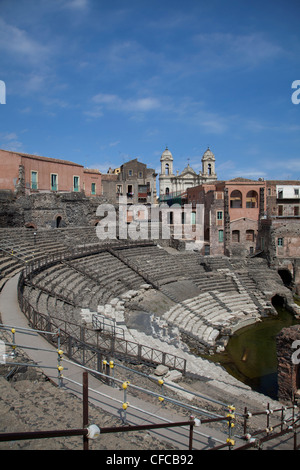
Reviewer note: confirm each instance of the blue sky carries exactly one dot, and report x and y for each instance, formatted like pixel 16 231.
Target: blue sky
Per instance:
pixel 100 83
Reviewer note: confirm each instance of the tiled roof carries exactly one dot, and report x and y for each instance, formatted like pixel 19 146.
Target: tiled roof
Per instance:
pixel 47 159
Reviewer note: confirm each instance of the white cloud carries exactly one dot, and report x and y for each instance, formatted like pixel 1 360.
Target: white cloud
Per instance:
pixel 231 50
pixel 9 141
pixel 9 136
pixel 248 173
pixel 215 125
pixel 94 113
pixel 142 104
pixel 16 41
pixel 77 4
pixel 225 166
pixel 106 99
pixel 114 102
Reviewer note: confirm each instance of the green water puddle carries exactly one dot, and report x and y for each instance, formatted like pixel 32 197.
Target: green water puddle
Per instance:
pixel 250 355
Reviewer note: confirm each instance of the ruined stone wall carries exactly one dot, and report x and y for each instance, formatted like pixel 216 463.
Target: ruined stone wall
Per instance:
pixel 216 224
pixel 287 255
pixel 248 241
pixel 288 370
pixel 48 210
pixel 289 231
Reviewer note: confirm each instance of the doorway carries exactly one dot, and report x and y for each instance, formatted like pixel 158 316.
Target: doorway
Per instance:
pixel 58 221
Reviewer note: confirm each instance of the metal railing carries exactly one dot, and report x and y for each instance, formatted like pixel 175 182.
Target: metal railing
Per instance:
pixel 93 431
pixel 85 345
pixel 287 424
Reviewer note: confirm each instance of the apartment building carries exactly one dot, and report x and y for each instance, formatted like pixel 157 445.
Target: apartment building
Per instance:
pixel 22 173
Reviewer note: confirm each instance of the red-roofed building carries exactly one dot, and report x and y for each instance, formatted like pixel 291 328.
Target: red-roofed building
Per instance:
pixel 25 174
pixel 232 213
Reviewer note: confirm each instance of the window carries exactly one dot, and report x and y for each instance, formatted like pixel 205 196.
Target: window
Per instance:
pixel 236 199
pixel 235 236
pixel 280 242
pixel 54 179
pixel 93 188
pixel 221 235
pixel 251 199
pixel 129 172
pixel 250 235
pixel 280 210
pixel 119 189
pixel 142 188
pixel 167 169
pixel 140 174
pixel 34 180
pixel 280 193
pixel 75 183
pixel 130 191
pixel 296 192
pixel 219 217
pixel 296 211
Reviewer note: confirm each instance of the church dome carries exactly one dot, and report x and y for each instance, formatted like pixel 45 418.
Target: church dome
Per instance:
pixel 208 155
pixel 167 154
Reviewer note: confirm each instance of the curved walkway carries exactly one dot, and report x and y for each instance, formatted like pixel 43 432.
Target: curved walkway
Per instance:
pixel 107 398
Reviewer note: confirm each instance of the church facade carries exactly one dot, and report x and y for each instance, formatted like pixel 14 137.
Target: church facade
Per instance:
pixel 171 185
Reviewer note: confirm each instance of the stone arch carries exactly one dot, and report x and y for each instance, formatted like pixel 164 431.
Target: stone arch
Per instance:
pixel 30 225
pixel 278 300
pixel 235 236
pixel 286 277
pixel 251 199
pixel 236 199
pixel 58 221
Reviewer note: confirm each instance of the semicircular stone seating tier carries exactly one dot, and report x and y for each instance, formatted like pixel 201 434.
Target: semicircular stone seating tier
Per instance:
pixel 225 301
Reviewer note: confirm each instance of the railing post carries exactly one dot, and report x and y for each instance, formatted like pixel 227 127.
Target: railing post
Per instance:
pixel 295 430
pixel 245 420
pixel 191 432
pixel 85 411
pixel 59 359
